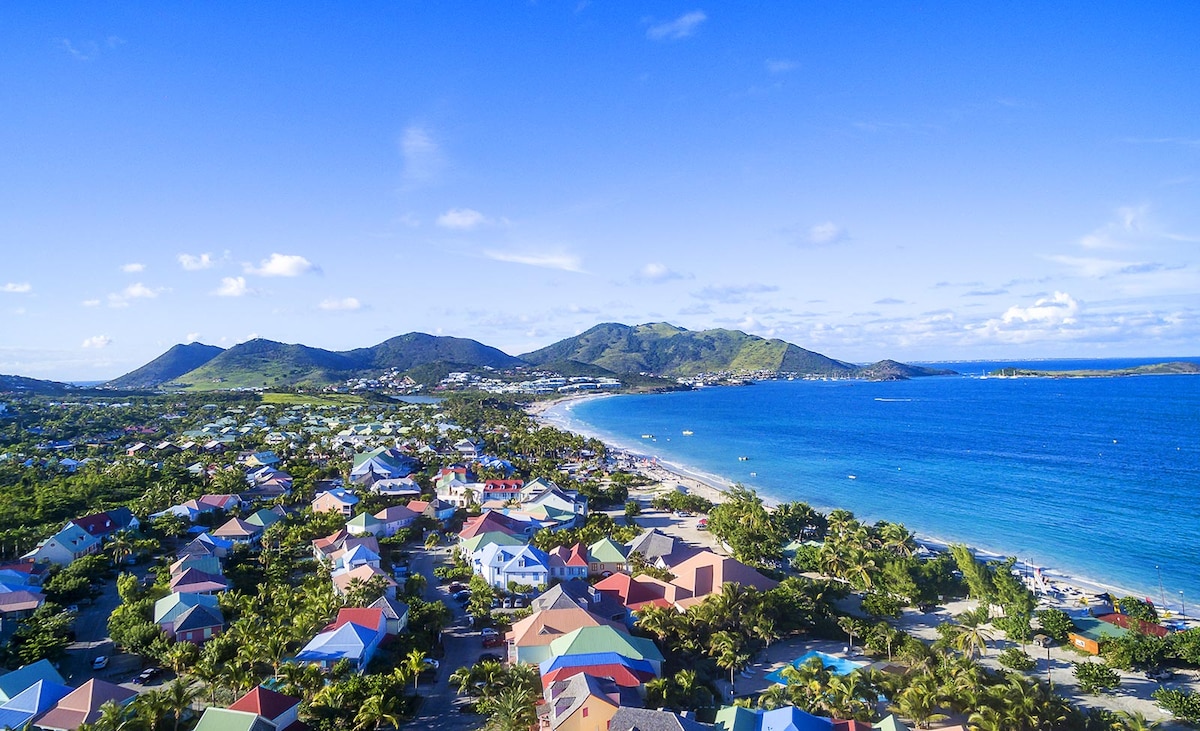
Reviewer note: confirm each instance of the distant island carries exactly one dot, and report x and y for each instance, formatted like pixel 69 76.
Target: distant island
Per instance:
pixel 1154 369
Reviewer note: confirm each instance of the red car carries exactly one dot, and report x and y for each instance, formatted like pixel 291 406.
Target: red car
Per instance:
pixel 493 641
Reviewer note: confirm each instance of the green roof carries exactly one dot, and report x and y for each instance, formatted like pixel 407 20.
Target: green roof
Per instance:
pixel 736 718
pixel 265 518
pixel 365 521
pixel 890 724
pixel 500 538
pixel 586 640
pixel 606 550
pixel 223 719
pixel 1094 629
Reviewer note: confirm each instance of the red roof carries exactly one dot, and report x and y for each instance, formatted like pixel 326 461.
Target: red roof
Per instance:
pixel 489 522
pixel 502 485
pixel 1135 624
pixel 372 619
pixel 266 703
pixel 97 525
pixel 418 506
pixel 630 592
pixel 620 674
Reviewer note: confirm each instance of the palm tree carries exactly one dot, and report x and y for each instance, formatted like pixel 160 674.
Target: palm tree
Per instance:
pixel 851 627
pixel 414 663
pixel 919 701
pixel 726 649
pixel 986 719
pixel 378 711
pixel 1135 721
pixel 512 710
pixel 898 539
pixel 846 697
pixel 661 622
pixel 969 637
pixel 121 547
pixel 179 696
pixel 1018 702
pixel 114 717
pixel 763 628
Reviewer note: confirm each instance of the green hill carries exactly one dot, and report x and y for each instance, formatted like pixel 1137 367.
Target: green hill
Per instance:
pixel 263 363
pixel 415 349
pixel 172 364
pixel 20 385
pixel 890 370
pixel 668 350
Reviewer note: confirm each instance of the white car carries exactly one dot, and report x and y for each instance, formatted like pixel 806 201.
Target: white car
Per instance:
pixel 100 662
pixel 431 664
pixel 489 632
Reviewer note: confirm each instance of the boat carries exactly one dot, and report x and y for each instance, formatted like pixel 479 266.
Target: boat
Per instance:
pixel 647 436
pixel 689 432
pixel 853 477
pixel 743 459
pixel 754 474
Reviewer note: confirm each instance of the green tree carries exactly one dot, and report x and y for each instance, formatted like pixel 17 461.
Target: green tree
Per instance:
pixel 1094 677
pixel 1055 623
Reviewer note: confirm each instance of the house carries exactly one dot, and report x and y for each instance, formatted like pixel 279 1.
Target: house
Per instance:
pixel 281 711
pixel 345 581
pixel 469 448
pixel 35 700
pixel 171 607
pixel 198 624
pixel 606 557
pixel 645 719
pixel 1089 632
pixel 395 518
pixel 225 719
pixel 625 671
pixel 706 572
pixel 577 593
pixel 659 549
pixel 261 459
pixel 365 524
pixel 605 638
pixel 239 531
pixel 638 592
pixel 20 604
pixel 350 642
pixel 17 681
pixel 206 563
pixel 103 525
pixel 438 510
pixel 501 490
pixel 399 487
pixel 529 639
pixel 194 581
pixel 784 718
pixel 502 565
pixel 205 545
pixel 82 705
pixel 382 463
pixel 395 613
pixel 580 703
pixel 265 518
pixel 496 522
pixel 337 500
pixel 352 557
pixel 370 617
pixel 65 546
pixel 266 483
pixel 569 562
pixel 325 548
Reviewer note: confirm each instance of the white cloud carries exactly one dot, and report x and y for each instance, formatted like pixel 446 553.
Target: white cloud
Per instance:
pixel 826 233
pixel 132 292
pixel 682 27
pixel 346 304
pixel 233 287
pixel 281 265
pixel 780 65
pixel 191 337
pixel 133 267
pixel 1059 309
pixel 196 263
pixel 17 287
pixel 557 260
pixel 462 219
pixel 97 341
pixel 1093 268
pixel 656 273
pixel 423 161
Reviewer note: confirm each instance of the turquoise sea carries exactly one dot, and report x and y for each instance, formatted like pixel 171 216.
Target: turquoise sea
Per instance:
pixel 1096 478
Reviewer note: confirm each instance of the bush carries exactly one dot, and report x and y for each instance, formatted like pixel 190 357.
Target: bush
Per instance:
pixel 1056 623
pixel 880 605
pixel 1179 703
pixel 1094 677
pixel 1015 658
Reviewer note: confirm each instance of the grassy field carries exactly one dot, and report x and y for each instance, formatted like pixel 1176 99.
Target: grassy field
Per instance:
pixel 311 399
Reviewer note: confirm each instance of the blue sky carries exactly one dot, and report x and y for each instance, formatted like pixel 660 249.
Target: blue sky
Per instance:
pixel 920 182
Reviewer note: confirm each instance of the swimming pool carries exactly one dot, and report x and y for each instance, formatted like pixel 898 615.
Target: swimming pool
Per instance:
pixel 837 665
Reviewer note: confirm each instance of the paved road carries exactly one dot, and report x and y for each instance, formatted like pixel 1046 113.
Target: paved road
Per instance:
pixel 92 640
pixel 461 645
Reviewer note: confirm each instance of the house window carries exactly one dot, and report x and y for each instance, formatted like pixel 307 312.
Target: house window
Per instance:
pixel 585 711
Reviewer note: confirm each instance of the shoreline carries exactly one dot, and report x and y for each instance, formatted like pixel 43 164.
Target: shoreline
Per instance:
pixel 1060 590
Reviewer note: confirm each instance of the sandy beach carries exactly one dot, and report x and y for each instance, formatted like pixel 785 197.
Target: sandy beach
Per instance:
pixel 1056 590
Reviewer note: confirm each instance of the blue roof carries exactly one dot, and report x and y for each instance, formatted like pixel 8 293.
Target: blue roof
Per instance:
pixel 790 718
pixel 594 658
pixel 34 700
pixel 12 684
pixel 349 641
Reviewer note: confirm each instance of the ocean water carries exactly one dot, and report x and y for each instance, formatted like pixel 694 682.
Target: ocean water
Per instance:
pixel 1096 478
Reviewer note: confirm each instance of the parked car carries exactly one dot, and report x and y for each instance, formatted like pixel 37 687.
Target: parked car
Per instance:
pixel 493 641
pixel 462 597
pixel 456 587
pixel 100 662
pixel 508 602
pixel 146 676
pixel 489 632
pixel 519 602
pixel 490 657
